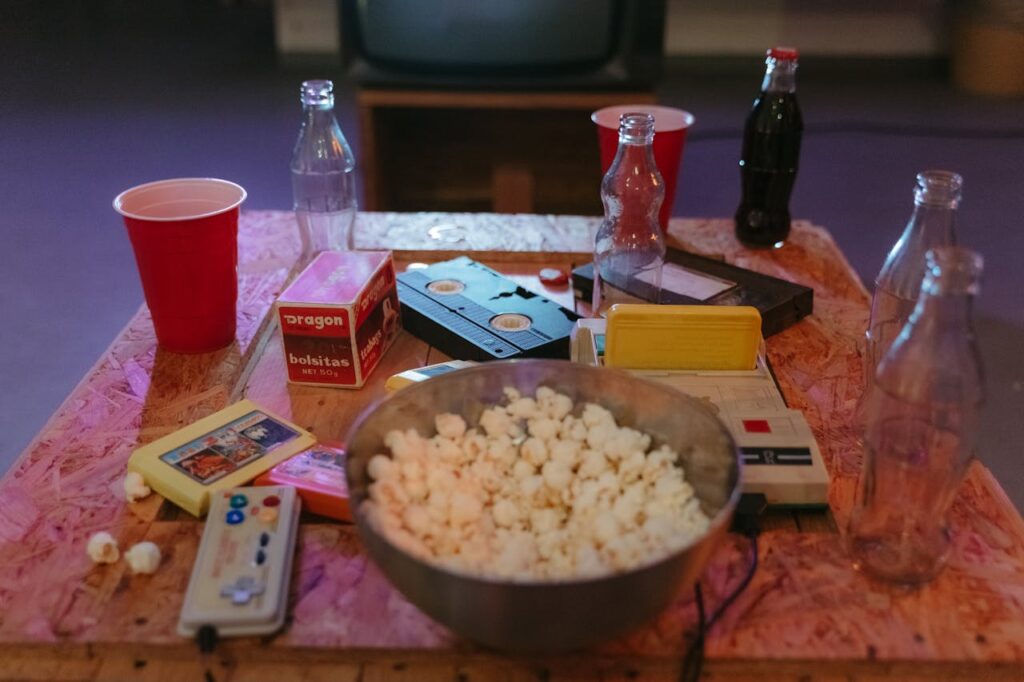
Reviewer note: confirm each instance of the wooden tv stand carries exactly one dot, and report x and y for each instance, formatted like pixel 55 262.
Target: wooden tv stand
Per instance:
pixel 507 152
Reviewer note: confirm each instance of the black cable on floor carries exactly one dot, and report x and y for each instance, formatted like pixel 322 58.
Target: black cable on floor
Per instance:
pixel 206 639
pixel 746 522
pixel 693 660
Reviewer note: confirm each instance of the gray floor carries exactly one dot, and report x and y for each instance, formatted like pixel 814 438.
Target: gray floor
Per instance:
pixel 96 99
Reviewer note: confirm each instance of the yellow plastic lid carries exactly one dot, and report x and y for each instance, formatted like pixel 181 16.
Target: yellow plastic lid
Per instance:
pixel 695 337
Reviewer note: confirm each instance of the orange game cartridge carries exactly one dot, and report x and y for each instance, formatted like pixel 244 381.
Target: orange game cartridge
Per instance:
pixel 319 476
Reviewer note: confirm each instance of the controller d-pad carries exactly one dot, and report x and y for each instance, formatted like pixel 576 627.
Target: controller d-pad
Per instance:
pixel 242 590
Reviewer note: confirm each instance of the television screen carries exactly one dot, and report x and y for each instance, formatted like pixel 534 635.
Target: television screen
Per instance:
pixel 477 35
pixel 516 43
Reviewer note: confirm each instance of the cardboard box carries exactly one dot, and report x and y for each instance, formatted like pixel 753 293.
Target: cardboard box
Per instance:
pixel 338 317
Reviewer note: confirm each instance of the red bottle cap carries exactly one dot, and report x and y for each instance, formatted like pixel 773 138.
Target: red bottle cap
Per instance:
pixel 787 53
pixel 554 277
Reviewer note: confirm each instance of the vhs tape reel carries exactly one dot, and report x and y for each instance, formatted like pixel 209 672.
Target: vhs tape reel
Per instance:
pixel 470 312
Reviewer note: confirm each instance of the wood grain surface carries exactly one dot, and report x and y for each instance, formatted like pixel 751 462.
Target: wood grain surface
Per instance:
pixel 806 616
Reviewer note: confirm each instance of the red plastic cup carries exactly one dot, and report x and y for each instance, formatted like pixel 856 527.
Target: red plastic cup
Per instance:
pixel 670 127
pixel 185 236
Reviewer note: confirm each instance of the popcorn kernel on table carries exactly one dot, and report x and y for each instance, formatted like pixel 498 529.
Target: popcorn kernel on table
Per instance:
pixel 135 487
pixel 102 548
pixel 143 557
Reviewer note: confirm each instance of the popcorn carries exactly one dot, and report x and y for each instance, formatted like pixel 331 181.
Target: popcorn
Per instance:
pixel 135 487
pixel 495 421
pixel 534 451
pixel 449 451
pixel 465 508
pixel 523 469
pixel 543 428
pixel 594 464
pixel 557 475
pixel 143 557
pixel 450 426
pixel 417 520
pixel 379 467
pixel 572 429
pixel 102 548
pixel 506 512
pixel 524 408
pixel 559 407
pixel 565 452
pixel 595 415
pixel 533 491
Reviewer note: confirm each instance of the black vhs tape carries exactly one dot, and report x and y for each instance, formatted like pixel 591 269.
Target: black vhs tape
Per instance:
pixel 689 279
pixel 470 312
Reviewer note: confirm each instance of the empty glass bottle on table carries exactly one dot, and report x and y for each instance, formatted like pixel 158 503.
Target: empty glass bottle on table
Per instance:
pixel 933 223
pixel 323 175
pixel 921 418
pixel 629 249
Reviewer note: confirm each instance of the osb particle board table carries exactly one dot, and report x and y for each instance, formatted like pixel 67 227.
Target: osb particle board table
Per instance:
pixel 806 615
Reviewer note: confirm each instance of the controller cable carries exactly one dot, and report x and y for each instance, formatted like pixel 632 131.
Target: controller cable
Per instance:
pixel 746 523
pixel 206 639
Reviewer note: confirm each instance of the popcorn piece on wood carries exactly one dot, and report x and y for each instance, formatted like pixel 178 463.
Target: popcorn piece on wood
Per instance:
pixel 143 557
pixel 102 548
pixel 135 487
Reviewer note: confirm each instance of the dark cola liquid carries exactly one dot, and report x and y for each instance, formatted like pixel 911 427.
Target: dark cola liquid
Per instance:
pixel 771 151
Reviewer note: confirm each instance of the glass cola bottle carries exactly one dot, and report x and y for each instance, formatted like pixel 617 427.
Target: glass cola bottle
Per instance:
pixel 771 154
pixel 932 223
pixel 920 421
pixel 629 250
pixel 323 175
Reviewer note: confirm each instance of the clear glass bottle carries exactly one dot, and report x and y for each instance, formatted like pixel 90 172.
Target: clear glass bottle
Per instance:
pixel 921 418
pixel 323 175
pixel 629 250
pixel 897 286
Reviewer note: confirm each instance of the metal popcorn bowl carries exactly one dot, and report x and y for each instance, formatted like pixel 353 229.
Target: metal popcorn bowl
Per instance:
pixel 551 616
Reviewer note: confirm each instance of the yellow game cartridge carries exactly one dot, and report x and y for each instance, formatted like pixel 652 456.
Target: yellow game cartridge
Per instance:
pixel 412 376
pixel 224 450
pixel 695 337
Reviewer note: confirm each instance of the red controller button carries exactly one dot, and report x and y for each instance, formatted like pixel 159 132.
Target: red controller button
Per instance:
pixel 271 501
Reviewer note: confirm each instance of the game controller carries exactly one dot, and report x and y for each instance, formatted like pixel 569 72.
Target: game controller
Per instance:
pixel 239 583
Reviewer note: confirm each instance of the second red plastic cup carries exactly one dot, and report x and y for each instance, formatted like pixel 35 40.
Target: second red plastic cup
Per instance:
pixel 670 128
pixel 185 236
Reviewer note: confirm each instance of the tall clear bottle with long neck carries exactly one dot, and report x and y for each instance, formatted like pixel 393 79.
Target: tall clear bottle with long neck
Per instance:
pixel 323 175
pixel 921 419
pixel 629 249
pixel 897 286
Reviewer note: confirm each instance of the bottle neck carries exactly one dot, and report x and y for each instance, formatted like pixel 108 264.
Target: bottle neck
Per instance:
pixel 935 311
pixel 951 282
pixel 635 154
pixel 318 113
pixel 779 76
pixel 932 224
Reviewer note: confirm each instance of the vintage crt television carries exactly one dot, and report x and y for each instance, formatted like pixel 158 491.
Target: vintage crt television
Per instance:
pixel 503 44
